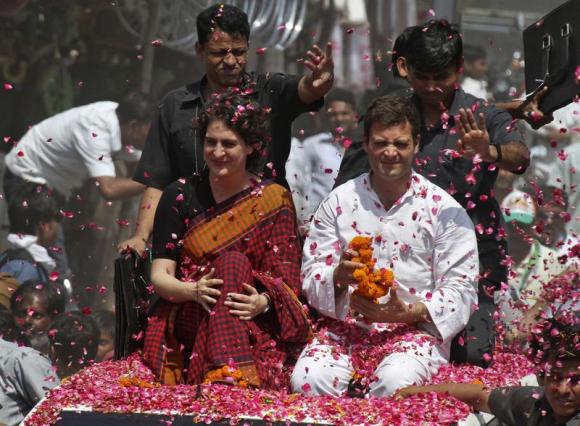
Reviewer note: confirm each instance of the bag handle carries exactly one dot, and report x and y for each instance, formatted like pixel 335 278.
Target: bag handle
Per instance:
pixel 553 77
pixel 565 35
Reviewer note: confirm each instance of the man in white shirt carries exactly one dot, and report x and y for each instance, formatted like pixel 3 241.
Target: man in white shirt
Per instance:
pixel 421 233
pixel 63 151
pixel 317 159
pixel 60 153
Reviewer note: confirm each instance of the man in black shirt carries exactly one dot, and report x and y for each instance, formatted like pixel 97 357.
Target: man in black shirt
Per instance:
pixel 463 143
pixel 173 147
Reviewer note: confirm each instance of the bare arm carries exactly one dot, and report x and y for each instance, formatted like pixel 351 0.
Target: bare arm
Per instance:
pixel 116 188
pixel 474 395
pixel 515 156
pixel 147 207
pixel 176 291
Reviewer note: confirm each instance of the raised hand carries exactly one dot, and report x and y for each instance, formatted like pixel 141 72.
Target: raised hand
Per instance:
pixel 530 110
pixel 321 65
pixel 473 136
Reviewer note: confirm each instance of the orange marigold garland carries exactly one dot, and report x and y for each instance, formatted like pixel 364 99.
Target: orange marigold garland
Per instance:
pixel 226 374
pixel 372 283
pixel 131 380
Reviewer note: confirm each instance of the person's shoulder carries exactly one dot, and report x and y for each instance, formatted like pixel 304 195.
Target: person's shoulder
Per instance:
pixel 435 193
pixel 274 192
pixel 467 100
pixel 478 105
pixel 272 79
pixel 351 186
pixel 100 115
pixel 177 96
pixel 535 392
pixel 317 139
pixel 21 355
pixel 181 186
pixel 514 402
pixel 270 76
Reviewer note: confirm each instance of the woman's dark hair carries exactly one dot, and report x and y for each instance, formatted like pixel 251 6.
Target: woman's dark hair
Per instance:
pixel 226 17
pixel 51 293
pixel 30 206
pixel 391 110
pixel 244 116
pixel 429 48
pixel 74 338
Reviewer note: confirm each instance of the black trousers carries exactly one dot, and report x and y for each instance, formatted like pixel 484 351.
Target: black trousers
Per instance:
pixel 478 337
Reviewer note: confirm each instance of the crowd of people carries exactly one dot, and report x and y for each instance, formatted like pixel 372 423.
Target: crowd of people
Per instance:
pixel 259 239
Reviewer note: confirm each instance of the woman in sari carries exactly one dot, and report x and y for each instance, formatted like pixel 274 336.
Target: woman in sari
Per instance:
pixel 226 263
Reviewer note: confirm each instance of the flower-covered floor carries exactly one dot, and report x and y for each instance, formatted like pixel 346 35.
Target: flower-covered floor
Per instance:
pixel 127 386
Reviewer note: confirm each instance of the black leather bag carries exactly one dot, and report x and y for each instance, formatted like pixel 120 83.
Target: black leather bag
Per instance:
pixel 132 301
pixel 552 56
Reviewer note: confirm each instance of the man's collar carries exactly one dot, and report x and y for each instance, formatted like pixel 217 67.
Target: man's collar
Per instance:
pixel 411 190
pixel 458 102
pixel 194 91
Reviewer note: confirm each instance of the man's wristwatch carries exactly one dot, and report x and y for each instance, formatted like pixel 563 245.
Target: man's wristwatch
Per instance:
pixel 269 302
pixel 498 150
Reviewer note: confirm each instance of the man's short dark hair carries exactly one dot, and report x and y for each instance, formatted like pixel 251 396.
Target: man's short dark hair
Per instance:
pixel 340 94
pixel 472 53
pixel 243 115
pixel 30 206
pixel 227 18
pixel 9 330
pixel 135 106
pixel 391 110
pixel 555 340
pixel 105 320
pixel 51 293
pixel 74 338
pixel 429 48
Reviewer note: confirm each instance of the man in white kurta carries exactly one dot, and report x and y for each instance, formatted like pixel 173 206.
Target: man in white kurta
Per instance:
pixel 421 233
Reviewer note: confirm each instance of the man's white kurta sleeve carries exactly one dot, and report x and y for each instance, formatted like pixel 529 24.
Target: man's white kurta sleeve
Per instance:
pixel 455 272
pixel 321 255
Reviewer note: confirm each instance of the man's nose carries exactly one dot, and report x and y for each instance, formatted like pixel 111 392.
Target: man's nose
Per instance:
pixel 390 152
pixel 563 386
pixel 230 59
pixel 431 86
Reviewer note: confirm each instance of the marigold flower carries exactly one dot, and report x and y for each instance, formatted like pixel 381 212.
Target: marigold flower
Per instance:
pixel 372 283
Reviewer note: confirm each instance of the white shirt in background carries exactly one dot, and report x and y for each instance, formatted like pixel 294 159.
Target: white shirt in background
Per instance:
pixel 311 171
pixel 68 148
pixel 477 88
